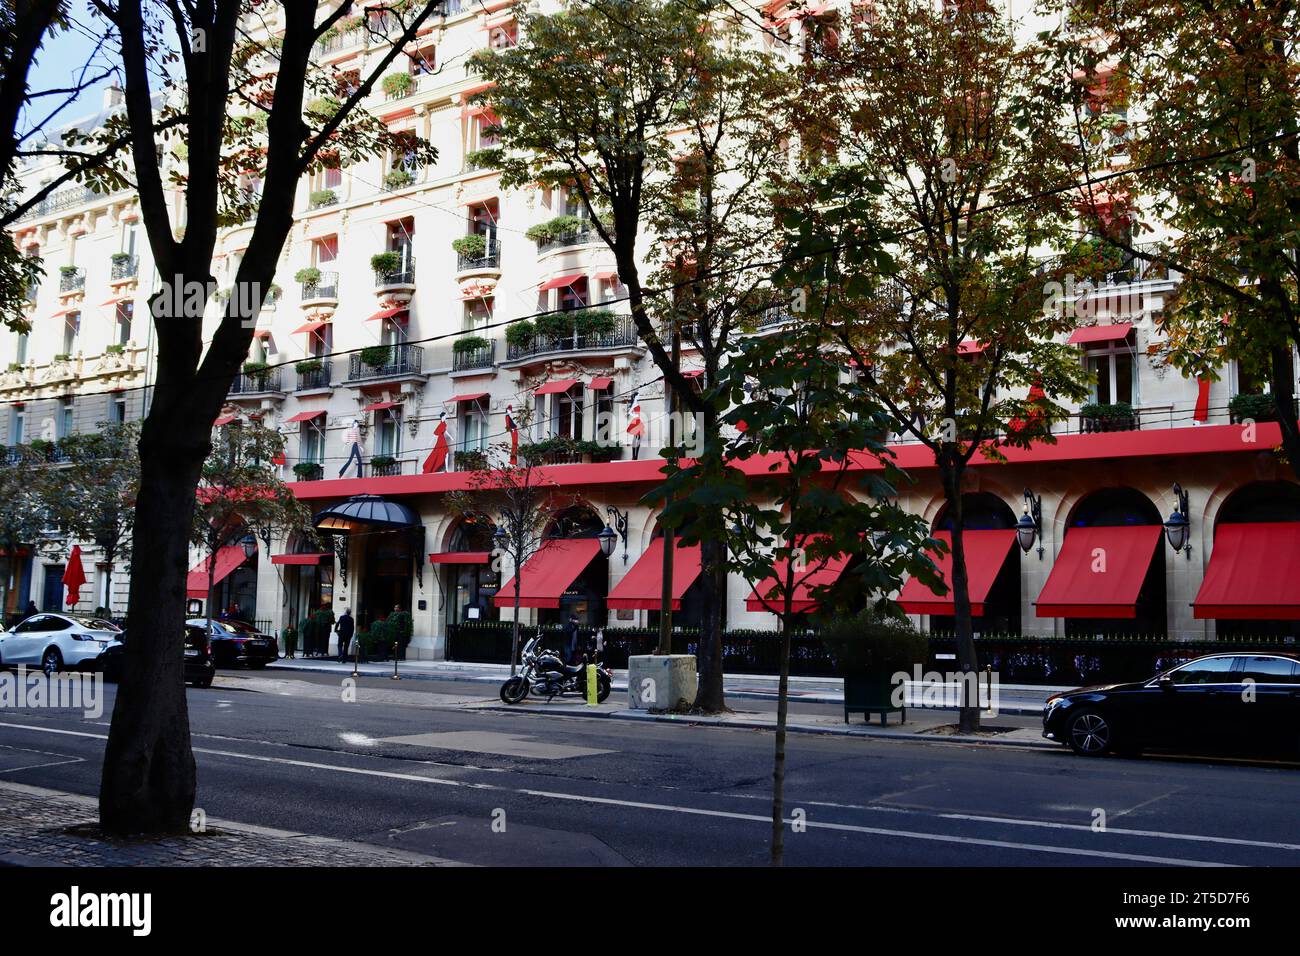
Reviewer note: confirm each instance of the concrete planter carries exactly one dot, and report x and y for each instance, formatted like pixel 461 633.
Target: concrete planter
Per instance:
pixel 664 682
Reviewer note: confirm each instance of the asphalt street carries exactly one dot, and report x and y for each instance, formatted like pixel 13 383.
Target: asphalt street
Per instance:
pixel 430 770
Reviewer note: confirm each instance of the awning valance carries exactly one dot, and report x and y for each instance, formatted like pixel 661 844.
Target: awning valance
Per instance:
pixel 1252 573
pixel 380 406
pixel 310 327
pixel 460 557
pixel 301 558
pixel 986 552
pixel 392 313
pixel 642 587
pixel 1114 332
pixel 556 386
pixel 548 573
pixel 223 420
pixel 600 383
pixel 304 416
pixel 470 397
pixel 227 559
pixel 560 282
pixel 1099 572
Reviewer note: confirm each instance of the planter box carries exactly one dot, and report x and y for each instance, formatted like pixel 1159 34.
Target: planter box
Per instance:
pixel 661 682
pixel 869 693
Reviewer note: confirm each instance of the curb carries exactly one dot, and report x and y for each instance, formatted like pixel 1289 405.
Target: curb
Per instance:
pixel 847 731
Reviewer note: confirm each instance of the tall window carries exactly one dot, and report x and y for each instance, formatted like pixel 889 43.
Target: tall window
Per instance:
pixel 483 218
pixel 394 331
pixel 71 329
pixel 1112 364
pixel 324 251
pixel 574 296
pixel 311 442
pixel 473 428
pixel 568 413
pixel 318 342
pixel 478 314
pixel 401 239
pixel 504 36
pixel 117 410
pixel 17 426
pixel 481 135
pixel 125 315
pixel 388 432
pixel 130 237
pixel 424 61
pixel 65 417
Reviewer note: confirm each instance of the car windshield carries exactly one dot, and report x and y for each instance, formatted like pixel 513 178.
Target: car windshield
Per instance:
pixel 236 627
pixel 97 624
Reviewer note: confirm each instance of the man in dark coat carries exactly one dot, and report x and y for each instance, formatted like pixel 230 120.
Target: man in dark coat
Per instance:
pixel 344 629
pixel 571 639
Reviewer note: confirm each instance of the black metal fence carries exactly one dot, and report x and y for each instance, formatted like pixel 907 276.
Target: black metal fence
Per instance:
pixel 1016 660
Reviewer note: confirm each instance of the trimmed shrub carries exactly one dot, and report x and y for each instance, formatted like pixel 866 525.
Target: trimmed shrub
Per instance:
pixel 397 84
pixel 472 246
pixel 308 365
pixel 520 334
pixel 397 178
pixel 324 197
pixel 386 262
pixel 309 275
pixel 874 642
pixel 470 343
pixel 376 356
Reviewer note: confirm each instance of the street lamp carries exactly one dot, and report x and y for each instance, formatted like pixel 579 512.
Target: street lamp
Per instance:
pixel 606 537
pixel 1178 529
pixel 249 544
pixel 619 518
pixel 1030 526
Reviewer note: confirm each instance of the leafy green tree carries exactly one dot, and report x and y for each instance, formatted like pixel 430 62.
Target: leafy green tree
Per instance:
pixel 804 430
pixel 218 68
pixel 1207 99
pixel 670 147
pixel 24 492
pixel 947 321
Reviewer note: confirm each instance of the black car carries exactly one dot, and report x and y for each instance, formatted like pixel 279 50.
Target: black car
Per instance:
pixel 236 644
pixel 200 667
pixel 1223 703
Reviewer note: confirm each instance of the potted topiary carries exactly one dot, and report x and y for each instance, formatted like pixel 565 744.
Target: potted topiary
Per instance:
pixel 323 197
pixel 1255 407
pixel 120 258
pixel 472 246
pixel 260 372
pixel 400 628
pixel 397 178
pixel 385 263
pixel 397 84
pixel 307 366
pixel 874 653
pixel 595 322
pixel 63 357
pixel 15 366
pixel 309 276
pixel 41 448
pixel 471 460
pixel 115 350
pixel 520 334
pixel 308 471
pixel 555 325
pixel 376 356
pixel 382 461
pixel 469 343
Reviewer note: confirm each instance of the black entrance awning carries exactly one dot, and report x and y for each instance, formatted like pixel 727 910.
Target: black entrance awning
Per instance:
pixel 368 511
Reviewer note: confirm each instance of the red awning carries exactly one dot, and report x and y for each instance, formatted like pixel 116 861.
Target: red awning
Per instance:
pixel 380 406
pixel 817 574
pixel 560 282
pixel 642 587
pixel 1099 572
pixel 600 383
pixel 300 558
pixel 304 416
pixel 460 557
pixel 227 559
pixel 1252 573
pixel 114 300
pixel 470 397
pixel 986 552
pixel 1100 333
pixel 389 313
pixel 605 275
pixel 310 327
pixel 970 347
pixel 262 334
pixel 558 385
pixel 548 573
pixel 224 420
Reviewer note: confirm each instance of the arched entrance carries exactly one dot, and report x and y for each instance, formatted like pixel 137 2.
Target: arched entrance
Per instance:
pixel 984 511
pixel 387 539
pixel 1258 507
pixel 467 576
pixel 585 597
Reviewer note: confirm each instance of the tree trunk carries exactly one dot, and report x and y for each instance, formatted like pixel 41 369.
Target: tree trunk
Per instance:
pixel 778 759
pixel 1284 400
pixel 514 628
pixel 713 584
pixel 148 780
pixel 968 720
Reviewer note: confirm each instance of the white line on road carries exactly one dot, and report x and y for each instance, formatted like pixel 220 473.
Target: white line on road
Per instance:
pixel 692 811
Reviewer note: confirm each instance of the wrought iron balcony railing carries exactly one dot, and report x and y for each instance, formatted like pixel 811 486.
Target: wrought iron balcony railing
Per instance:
pixel 623 335
pixel 326 287
pixel 490 259
pixel 392 360
pixel 403 275
pixel 478 358
pixel 314 378
pixel 255 383
pixel 577 237
pixel 125 267
pixel 72 280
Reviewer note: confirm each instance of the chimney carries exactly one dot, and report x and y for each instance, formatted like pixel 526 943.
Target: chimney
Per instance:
pixel 113 96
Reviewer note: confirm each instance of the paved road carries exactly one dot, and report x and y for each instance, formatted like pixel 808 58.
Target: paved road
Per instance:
pixel 423 770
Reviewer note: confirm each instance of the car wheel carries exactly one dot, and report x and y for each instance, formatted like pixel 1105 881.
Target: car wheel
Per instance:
pixel 51 661
pixel 1088 733
pixel 205 681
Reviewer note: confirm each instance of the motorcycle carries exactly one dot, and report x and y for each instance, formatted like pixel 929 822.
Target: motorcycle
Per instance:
pixel 546 675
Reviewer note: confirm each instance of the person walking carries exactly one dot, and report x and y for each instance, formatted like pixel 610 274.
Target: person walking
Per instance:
pixel 571 639
pixel 344 629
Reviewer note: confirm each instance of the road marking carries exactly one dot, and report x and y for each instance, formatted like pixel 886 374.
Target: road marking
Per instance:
pixel 695 811
pixel 492 742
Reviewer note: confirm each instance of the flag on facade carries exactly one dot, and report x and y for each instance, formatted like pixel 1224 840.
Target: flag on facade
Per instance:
pixel 437 459
pixel 513 429
pixel 74 576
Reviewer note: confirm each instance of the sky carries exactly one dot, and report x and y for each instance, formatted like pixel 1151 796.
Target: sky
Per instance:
pixel 58 64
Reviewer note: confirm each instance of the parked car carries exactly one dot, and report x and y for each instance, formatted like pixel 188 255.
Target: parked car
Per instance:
pixel 200 667
pixel 236 644
pixel 1234 704
pixel 58 641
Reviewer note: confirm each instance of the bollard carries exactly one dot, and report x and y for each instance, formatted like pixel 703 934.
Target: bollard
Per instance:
pixel 356 656
pixel 988 686
pixel 592 690
pixel 395 677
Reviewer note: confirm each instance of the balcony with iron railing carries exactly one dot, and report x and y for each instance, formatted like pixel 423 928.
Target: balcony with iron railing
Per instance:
pixel 124 267
pixel 323 289
pixel 581 236
pixel 261 382
pixel 72 279
pixel 385 466
pixel 339 41
pixel 62 199
pixel 312 374
pixel 622 336
pixel 488 261
pixel 403 275
pixel 465 361
pixel 386 361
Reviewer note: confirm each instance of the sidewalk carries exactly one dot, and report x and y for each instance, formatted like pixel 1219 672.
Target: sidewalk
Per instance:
pixel 1024 699
pixel 40 827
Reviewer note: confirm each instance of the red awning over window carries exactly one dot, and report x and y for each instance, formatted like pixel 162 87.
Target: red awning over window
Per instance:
pixel 1252 573
pixel 380 406
pixel 1099 572
pixel 388 313
pixel 304 416
pixel 300 558
pixel 471 397
pixel 600 383
pixel 559 385
pixel 548 573
pixel 642 587
pixel 970 347
pixel 818 573
pixel 986 552
pixel 310 327
pixel 461 557
pixel 605 275
pixel 1100 333
pixel 262 334
pixel 227 559
pixel 224 420
pixel 560 282
pixel 114 300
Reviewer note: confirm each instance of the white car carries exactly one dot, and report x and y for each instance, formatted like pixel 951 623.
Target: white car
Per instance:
pixel 58 641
